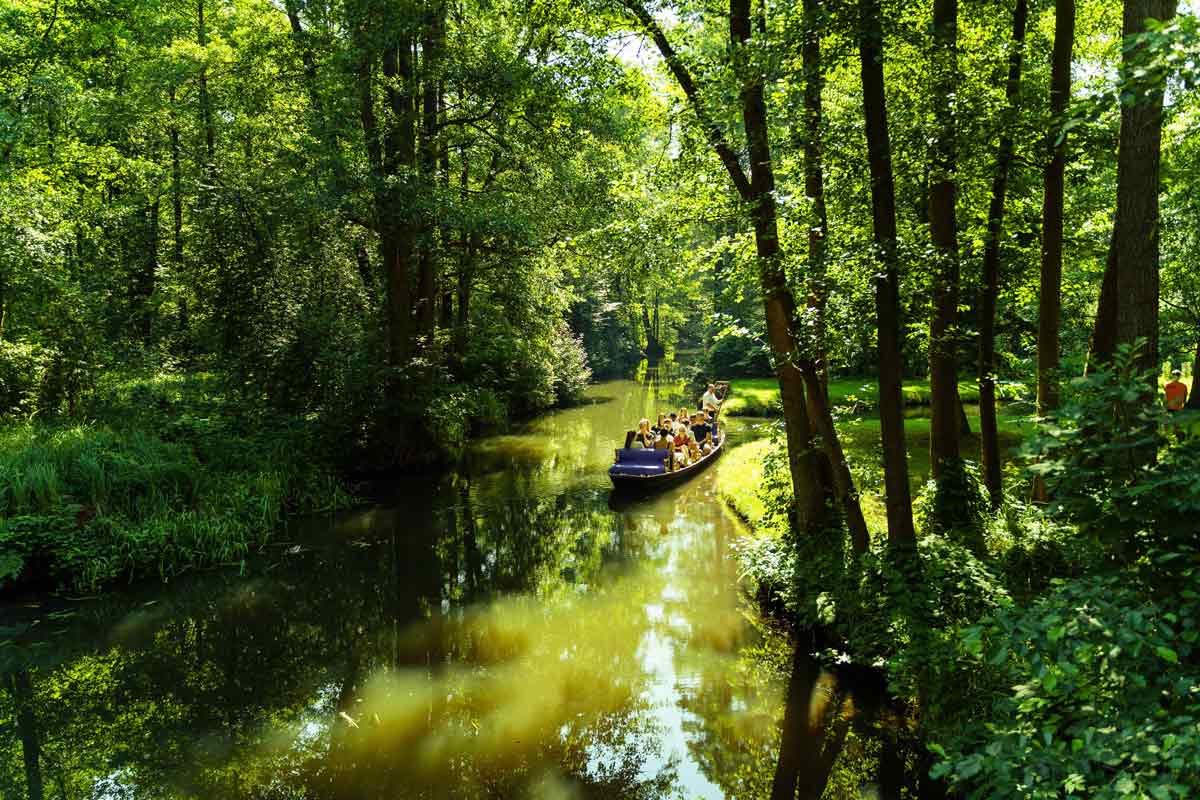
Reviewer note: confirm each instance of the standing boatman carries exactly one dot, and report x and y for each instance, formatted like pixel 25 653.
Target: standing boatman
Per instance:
pixel 1175 392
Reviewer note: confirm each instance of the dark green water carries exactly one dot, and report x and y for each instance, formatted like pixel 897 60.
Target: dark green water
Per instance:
pixel 495 632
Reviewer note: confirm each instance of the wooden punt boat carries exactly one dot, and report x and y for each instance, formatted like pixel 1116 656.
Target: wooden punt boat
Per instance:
pixel 636 471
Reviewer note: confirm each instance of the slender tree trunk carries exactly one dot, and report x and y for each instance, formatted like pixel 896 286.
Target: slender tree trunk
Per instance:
pixel 943 330
pixel 887 281
pixel 431 46
pixel 145 280
pixel 1104 335
pixel 176 193
pixel 989 444
pixel 206 116
pixel 1050 299
pixel 814 183
pixel 1193 401
pixel 843 481
pixel 808 487
pixel 780 305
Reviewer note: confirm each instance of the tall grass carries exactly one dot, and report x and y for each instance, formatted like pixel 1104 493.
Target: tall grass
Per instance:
pixel 87 504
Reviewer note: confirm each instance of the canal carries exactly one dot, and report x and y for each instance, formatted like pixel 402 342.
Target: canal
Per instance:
pixel 493 631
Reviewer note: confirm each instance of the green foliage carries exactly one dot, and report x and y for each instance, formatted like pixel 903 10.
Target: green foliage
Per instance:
pixel 737 353
pixel 1094 696
pixel 1097 455
pixel 85 505
pixel 953 505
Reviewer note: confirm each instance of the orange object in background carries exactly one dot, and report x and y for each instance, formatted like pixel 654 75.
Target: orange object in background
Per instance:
pixel 1176 394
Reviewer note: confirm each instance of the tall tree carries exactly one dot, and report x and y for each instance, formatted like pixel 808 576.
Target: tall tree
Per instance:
pixel 1049 299
pixel 887 276
pixel 943 226
pixel 816 375
pixel 757 190
pixel 1128 310
pixel 988 434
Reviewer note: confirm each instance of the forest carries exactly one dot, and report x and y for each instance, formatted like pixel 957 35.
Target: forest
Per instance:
pixel 265 262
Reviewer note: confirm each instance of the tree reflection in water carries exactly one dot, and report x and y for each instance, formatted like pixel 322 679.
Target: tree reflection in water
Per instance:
pixel 495 633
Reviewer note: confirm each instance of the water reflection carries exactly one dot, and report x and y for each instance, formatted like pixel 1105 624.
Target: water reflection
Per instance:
pixel 496 632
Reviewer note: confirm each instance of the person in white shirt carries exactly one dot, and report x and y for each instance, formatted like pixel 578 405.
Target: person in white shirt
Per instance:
pixel 709 400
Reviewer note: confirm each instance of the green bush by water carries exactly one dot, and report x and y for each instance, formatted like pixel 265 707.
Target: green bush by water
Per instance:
pixel 85 504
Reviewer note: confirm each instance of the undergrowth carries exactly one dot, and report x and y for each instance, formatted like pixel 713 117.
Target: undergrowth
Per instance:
pixel 167 482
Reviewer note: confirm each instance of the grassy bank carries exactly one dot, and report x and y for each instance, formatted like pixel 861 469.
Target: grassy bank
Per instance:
pixel 759 397
pixel 168 480
pixel 742 472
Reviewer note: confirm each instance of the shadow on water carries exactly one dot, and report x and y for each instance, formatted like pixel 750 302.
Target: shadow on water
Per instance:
pixel 495 631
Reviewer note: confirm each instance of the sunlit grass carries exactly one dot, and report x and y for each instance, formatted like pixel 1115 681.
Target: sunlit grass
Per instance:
pixel 741 475
pixel 759 397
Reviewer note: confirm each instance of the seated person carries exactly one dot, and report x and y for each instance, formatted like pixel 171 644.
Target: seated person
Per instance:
pixel 643 437
pixel 701 431
pixel 681 443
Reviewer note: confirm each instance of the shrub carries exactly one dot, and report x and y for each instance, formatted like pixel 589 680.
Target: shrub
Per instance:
pixel 1098 699
pixel 24 367
pixel 738 353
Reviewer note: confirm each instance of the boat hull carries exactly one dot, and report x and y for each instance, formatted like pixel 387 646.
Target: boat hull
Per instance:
pixel 644 484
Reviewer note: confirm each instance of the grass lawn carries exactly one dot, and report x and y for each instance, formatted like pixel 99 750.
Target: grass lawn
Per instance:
pixel 741 472
pixel 759 397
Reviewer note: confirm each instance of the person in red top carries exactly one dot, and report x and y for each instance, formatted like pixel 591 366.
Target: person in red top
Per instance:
pixel 1175 392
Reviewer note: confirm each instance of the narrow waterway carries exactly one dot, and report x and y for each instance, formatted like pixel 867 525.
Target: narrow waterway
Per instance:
pixel 496 631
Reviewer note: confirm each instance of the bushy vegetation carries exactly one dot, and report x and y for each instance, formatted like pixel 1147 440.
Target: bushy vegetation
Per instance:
pixel 170 481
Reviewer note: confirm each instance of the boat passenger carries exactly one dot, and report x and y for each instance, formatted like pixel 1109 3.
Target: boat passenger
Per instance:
pixel 701 432
pixel 681 444
pixel 643 438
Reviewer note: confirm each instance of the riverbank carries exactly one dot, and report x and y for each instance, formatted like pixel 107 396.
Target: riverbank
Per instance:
pixel 759 397
pixel 156 477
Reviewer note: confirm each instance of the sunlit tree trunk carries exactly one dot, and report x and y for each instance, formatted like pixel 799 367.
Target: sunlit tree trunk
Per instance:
pixel 1128 309
pixel 1138 186
pixel 989 444
pixel 779 304
pixel 206 115
pixel 887 281
pixel 814 181
pixel 757 190
pixel 816 368
pixel 943 331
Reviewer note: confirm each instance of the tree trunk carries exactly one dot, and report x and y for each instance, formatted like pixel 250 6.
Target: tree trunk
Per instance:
pixel 176 194
pixel 143 284
pixel 887 281
pixel 397 234
pixel 1138 187
pixel 943 330
pixel 779 305
pixel 989 445
pixel 431 47
pixel 843 481
pixel 814 184
pixel 1050 299
pixel 206 117
pixel 1104 335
